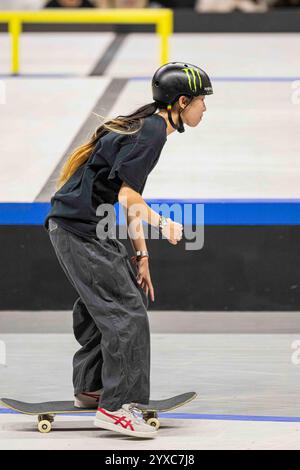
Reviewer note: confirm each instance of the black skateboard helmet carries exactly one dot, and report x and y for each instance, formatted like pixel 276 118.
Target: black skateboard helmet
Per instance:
pixel 175 79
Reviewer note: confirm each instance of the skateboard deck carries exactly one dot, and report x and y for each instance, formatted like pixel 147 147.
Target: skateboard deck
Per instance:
pixel 46 411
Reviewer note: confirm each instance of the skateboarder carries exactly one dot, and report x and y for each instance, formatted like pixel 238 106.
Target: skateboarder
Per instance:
pixel 111 370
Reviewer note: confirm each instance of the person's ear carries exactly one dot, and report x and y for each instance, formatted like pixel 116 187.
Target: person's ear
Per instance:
pixel 182 102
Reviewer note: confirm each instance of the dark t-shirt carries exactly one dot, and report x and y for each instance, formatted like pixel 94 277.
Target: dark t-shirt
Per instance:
pixel 116 158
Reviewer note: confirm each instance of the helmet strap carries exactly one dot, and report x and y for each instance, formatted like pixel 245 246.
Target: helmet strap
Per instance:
pixel 180 127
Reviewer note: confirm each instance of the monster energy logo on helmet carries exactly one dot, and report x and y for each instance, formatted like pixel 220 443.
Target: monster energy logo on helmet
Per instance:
pixel 193 78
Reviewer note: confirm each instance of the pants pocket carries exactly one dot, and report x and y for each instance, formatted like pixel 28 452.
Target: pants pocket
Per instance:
pixel 52 225
pixel 59 239
pixel 133 274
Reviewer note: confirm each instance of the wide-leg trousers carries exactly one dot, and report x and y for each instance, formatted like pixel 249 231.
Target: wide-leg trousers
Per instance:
pixel 110 319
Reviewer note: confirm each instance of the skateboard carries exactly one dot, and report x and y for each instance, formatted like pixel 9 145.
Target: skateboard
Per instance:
pixel 46 411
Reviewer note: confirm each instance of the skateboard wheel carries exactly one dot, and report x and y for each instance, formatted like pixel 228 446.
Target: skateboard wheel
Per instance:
pixel 44 426
pixel 153 422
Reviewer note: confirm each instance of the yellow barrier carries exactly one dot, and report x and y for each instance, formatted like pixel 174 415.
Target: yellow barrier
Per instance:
pixel 161 17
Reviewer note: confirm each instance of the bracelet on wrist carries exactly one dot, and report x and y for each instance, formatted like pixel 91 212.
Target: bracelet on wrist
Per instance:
pixel 142 254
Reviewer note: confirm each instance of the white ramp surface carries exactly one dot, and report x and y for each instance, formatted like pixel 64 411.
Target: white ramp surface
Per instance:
pixel 55 53
pixel 38 122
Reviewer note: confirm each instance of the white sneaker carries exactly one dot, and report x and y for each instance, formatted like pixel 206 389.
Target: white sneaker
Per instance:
pixel 126 420
pixel 87 399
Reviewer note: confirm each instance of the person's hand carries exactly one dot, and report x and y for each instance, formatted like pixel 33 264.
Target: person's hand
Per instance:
pixel 172 231
pixel 143 276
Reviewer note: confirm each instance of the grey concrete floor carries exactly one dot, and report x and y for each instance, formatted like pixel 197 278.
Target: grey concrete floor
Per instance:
pixel 244 374
pixel 240 375
pixel 19 432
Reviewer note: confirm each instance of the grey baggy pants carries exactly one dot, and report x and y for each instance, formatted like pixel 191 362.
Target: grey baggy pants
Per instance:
pixel 110 319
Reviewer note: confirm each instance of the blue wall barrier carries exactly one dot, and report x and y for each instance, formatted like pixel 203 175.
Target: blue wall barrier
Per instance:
pixel 216 212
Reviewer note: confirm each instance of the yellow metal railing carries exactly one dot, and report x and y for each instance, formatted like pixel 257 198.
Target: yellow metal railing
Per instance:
pixel 161 17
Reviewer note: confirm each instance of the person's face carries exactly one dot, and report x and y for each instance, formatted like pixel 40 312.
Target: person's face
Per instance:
pixel 193 112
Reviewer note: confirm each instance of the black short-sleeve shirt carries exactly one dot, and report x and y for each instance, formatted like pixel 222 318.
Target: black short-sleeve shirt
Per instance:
pixel 115 158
